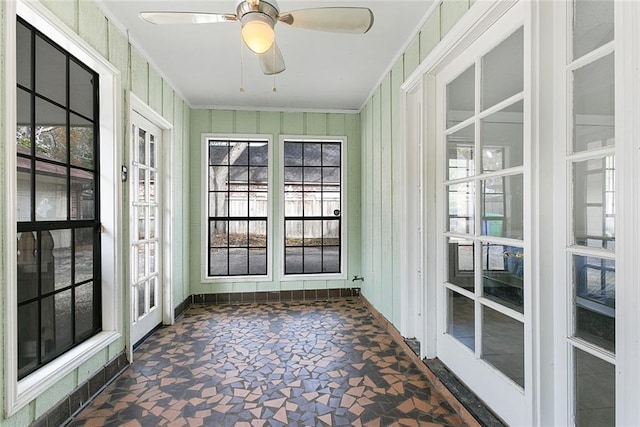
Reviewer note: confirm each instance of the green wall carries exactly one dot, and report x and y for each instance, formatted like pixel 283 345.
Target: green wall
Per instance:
pixel 382 167
pixel 276 124
pixel 86 19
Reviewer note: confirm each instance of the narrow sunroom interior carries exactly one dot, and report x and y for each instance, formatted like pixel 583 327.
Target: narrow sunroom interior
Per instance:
pixel 466 168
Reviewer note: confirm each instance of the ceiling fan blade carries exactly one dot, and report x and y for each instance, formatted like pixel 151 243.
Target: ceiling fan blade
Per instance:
pixel 356 20
pixel 186 17
pixel 272 61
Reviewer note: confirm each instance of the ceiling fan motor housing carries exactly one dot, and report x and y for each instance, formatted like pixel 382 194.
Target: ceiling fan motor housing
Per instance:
pixel 267 9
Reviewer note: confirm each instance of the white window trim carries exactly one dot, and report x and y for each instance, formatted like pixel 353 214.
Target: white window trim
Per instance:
pixel 166 207
pixel 205 137
pixel 343 212
pixel 20 393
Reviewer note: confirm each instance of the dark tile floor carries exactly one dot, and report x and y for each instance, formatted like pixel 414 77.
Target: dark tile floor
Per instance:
pixel 272 364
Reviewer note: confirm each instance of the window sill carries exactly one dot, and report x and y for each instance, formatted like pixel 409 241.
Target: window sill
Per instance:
pixel 44 378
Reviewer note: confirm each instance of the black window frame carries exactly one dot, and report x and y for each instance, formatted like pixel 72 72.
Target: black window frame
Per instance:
pixel 39 231
pixel 258 250
pixel 323 219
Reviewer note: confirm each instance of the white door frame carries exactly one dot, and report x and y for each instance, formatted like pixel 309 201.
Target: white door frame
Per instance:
pixel 412 233
pixel 166 207
pixel 472 25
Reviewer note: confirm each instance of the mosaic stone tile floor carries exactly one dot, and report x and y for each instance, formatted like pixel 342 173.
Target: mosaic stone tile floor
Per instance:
pixel 272 364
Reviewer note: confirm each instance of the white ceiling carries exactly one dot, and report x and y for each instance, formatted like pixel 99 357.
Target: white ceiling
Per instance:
pixel 325 71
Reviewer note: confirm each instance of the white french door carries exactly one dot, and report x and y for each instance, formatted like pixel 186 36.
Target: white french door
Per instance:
pixel 483 165
pixel 145 227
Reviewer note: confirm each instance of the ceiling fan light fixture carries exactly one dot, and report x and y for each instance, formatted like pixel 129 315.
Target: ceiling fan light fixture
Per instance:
pixel 257 32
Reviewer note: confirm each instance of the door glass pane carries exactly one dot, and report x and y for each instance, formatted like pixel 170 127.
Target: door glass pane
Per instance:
pixel 460 202
pixel 593 203
pixel 141 261
pixel 595 391
pixel 142 146
pixel 141 231
pixel 460 163
pixel 152 186
pixel 595 300
pixel 503 344
pixel 461 97
pixel 258 204
pixel 51 192
pixel 152 222
pixel 152 258
pixel 461 319
pixel 142 185
pixel 293 153
pixel 503 70
pixel 152 151
pixel 153 290
pixel 592 25
pixel 218 152
pixel 501 139
pixel 142 300
pixel 593 105
pixel 503 274
pixel 461 271
pixel 502 207
pixel 51 131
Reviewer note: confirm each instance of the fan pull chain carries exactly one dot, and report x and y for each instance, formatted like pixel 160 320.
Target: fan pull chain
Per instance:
pixel 241 68
pixel 274 89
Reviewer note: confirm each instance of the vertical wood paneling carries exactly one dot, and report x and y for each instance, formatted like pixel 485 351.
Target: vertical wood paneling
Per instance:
pixel 167 102
pixel 397 167
pixel 387 286
pixel 336 124
pixel 93 27
pixel 367 203
pixel 412 57
pixel 376 220
pixel 139 76
pixel 450 12
pixel 224 121
pixel 155 90
pixel 119 54
pixel 353 199
pixel 246 122
pixel 65 10
pixel 316 123
pixel 430 34
pixel 293 124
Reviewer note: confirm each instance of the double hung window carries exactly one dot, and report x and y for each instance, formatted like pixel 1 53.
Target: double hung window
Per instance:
pixel 58 219
pixel 238 206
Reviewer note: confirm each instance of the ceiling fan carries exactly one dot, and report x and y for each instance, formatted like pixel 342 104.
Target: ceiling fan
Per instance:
pixel 258 18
